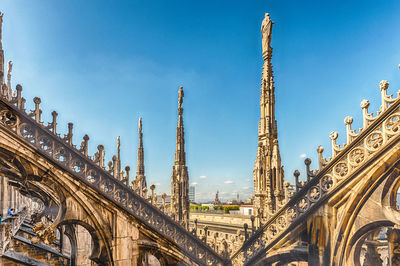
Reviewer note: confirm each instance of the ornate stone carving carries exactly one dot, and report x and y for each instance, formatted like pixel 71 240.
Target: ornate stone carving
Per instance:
pixel 8 119
pixel 357 156
pixel 44 234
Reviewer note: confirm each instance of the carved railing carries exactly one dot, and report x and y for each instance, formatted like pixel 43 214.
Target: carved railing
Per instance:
pixel 378 133
pixel 29 128
pixel 9 227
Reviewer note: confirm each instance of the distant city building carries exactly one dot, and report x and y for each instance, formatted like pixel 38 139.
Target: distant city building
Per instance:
pixel 246 210
pixel 217 201
pixel 160 200
pixel 210 205
pixel 192 197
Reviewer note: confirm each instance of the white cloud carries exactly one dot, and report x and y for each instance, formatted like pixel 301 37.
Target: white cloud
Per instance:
pixel 303 155
pixel 246 188
pixel 194 183
pixel 228 182
pixel 203 177
pixel 157 184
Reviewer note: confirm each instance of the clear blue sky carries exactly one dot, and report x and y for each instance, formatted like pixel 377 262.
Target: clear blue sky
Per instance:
pixel 102 64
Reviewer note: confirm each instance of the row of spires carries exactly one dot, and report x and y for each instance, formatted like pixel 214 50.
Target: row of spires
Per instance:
pixel 139 184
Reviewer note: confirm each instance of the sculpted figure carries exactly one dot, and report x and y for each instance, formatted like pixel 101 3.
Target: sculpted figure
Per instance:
pixel 9 68
pixel 9 91
pixel 266 29
pixel 180 94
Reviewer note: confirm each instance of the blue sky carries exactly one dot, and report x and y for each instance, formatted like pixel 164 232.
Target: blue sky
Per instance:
pixel 102 64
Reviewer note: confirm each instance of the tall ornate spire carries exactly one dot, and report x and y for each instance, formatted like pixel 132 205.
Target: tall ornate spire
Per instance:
pixel 268 172
pixel 180 176
pixel 180 156
pixel 140 159
pixel 2 71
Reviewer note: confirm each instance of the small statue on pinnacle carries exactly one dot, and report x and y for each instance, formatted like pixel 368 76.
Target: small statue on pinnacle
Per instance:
pixel 181 94
pixel 266 29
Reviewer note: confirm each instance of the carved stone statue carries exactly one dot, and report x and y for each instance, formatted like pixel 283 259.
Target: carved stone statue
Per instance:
pixel 180 94
pixel 9 91
pixel 9 68
pixel 266 29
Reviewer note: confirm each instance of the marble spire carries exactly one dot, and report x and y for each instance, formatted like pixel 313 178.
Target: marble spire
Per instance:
pixel 140 159
pixel 180 176
pixel 268 172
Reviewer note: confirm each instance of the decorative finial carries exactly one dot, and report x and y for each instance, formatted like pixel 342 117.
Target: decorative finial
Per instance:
pixel 307 162
pixel 140 125
pixel 348 121
pixel 383 85
pixel 127 170
pixel 101 154
pixel 333 136
pixel 84 145
pixel 321 160
pixel 115 166
pixel 364 104
pixel 385 99
pixel 70 134
pixel 296 174
pixel 54 123
pixel 36 113
pixel 19 96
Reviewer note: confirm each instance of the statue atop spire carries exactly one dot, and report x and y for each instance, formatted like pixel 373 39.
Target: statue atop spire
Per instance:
pixel 180 176
pixel 180 96
pixel 9 91
pixel 266 30
pixel 1 29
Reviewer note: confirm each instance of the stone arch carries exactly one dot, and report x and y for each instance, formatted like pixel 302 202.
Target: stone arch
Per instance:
pixel 389 196
pixel 97 254
pixel 43 177
pixel 164 255
pixel 359 237
pixel 284 257
pixel 367 193
pixel 70 234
